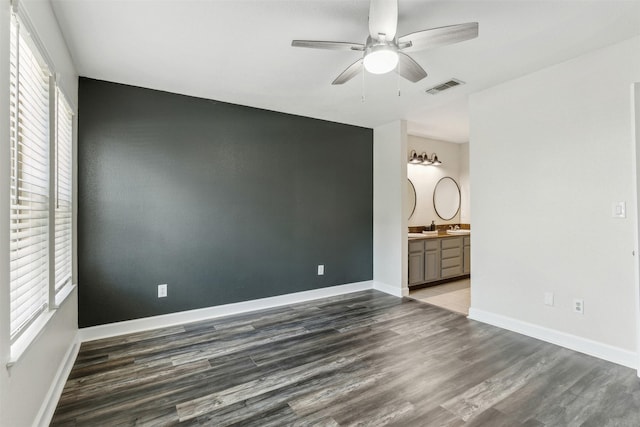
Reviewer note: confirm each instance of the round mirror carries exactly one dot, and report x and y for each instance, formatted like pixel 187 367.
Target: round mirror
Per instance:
pixel 411 198
pixel 446 198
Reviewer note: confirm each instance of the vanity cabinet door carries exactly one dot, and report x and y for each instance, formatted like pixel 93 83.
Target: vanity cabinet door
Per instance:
pixel 431 265
pixel 416 268
pixel 466 256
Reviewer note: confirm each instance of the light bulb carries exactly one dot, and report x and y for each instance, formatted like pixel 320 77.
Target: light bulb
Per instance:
pixel 381 59
pixel 413 158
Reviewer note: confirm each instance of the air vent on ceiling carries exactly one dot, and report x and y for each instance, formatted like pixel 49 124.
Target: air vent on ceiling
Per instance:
pixel 444 86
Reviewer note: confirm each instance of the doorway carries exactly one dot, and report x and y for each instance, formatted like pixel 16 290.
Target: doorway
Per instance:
pixel 439 258
pixel 453 296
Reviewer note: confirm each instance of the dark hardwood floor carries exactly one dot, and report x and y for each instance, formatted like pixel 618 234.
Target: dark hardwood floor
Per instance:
pixel 360 359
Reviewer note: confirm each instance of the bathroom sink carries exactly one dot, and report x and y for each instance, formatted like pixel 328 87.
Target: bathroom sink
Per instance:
pixel 459 232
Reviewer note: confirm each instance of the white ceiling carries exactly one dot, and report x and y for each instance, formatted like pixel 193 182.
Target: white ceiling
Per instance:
pixel 240 51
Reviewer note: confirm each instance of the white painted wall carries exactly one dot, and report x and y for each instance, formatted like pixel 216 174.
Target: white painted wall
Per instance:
pixel 389 208
pixel 425 178
pixel 636 120
pixel 465 185
pixel 550 153
pixel 26 387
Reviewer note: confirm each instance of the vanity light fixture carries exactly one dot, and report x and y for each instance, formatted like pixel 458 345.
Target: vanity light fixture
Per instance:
pixel 423 159
pixel 414 159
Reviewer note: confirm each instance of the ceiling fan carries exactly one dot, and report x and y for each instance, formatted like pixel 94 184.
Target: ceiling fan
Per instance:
pixel 384 52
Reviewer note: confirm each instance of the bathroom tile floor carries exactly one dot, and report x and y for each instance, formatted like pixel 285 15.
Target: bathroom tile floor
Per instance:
pixel 454 296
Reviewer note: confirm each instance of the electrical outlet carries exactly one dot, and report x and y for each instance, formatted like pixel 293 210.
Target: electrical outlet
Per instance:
pixel 162 291
pixel 578 305
pixel 548 298
pixel 320 269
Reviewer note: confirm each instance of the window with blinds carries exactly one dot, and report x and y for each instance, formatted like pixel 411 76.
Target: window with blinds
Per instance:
pixel 63 189
pixel 29 217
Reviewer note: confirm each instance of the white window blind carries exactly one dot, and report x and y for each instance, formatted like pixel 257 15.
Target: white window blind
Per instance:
pixel 63 189
pixel 29 228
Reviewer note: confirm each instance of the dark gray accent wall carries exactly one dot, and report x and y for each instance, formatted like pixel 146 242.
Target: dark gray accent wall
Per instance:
pixel 224 203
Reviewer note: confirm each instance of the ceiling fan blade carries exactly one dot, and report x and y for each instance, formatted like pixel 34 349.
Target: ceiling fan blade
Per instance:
pixel 436 37
pixel 351 71
pixel 383 19
pixel 317 44
pixel 410 69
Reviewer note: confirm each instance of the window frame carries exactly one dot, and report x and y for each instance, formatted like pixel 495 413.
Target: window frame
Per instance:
pixel 56 96
pixel 29 183
pixel 59 290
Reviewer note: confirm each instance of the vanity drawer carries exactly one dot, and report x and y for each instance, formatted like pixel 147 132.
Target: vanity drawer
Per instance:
pixel 417 246
pixel 431 245
pixel 452 271
pixel 454 242
pixel 452 253
pixel 451 262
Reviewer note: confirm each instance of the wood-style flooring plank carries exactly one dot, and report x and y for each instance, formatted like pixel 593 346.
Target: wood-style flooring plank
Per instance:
pixel 364 358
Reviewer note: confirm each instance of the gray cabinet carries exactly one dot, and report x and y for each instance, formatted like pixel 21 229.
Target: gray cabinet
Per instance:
pixel 451 257
pixel 431 260
pixel 416 262
pixel 466 255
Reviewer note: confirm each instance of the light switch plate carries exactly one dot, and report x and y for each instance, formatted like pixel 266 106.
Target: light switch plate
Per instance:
pixel 619 210
pixel 320 269
pixel 548 298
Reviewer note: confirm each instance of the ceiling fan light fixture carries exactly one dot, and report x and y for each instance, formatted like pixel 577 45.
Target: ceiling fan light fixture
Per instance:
pixel 380 59
pixel 384 52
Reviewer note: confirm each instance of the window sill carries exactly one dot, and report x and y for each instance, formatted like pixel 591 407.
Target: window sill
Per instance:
pixel 21 345
pixel 64 293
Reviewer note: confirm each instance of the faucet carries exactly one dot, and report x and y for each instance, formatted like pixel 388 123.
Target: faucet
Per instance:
pixel 457 227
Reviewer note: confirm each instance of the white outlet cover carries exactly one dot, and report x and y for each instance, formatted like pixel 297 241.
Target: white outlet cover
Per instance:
pixel 578 306
pixel 548 298
pixel 320 269
pixel 162 291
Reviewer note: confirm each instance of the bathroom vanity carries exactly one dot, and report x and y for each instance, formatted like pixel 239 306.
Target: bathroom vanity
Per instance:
pixel 438 259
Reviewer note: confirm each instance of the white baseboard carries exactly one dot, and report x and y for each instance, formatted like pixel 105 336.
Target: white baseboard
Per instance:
pixel 172 319
pixel 45 414
pixel 391 290
pixel 573 342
